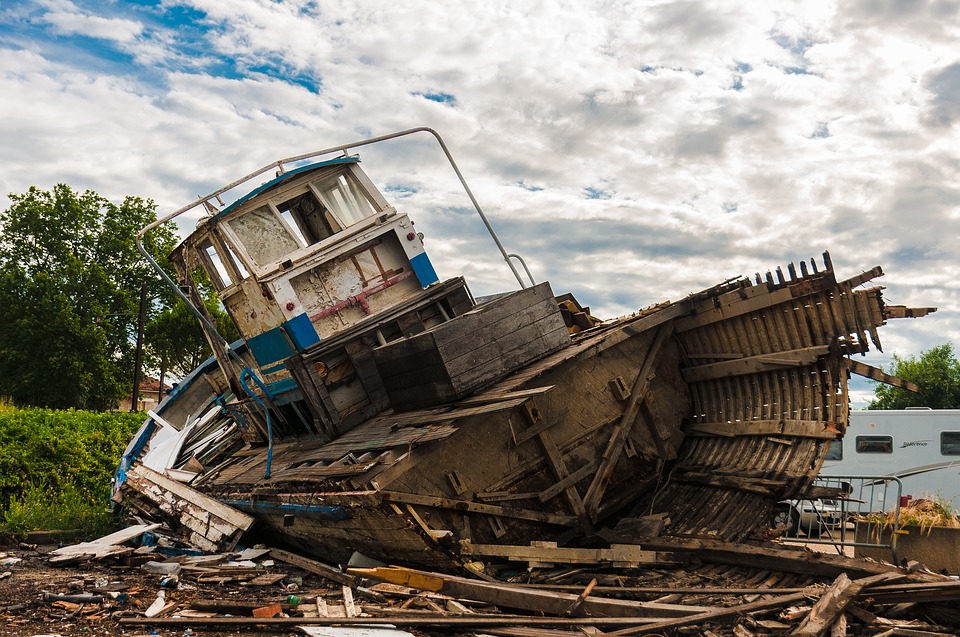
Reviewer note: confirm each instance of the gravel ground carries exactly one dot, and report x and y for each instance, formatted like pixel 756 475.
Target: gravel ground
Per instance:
pixel 24 611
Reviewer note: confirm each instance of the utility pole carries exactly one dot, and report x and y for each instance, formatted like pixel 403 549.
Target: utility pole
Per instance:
pixel 139 360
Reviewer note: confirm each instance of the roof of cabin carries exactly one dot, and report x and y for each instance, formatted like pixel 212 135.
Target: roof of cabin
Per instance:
pixel 283 178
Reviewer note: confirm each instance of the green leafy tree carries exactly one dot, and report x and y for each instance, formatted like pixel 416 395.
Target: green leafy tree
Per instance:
pixel 70 277
pixel 176 341
pixel 936 371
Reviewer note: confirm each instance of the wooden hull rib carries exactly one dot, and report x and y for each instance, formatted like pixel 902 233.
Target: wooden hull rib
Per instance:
pixel 705 412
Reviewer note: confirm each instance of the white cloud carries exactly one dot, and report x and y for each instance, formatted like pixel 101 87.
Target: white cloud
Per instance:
pixel 68 19
pixel 723 139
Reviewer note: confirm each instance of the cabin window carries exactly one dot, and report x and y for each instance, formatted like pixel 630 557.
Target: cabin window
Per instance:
pixel 835 451
pixel 874 444
pixel 346 199
pixel 241 270
pixel 950 443
pixel 263 234
pixel 216 270
pixel 307 218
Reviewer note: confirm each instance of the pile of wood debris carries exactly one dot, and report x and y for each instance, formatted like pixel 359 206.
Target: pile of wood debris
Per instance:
pixel 141 580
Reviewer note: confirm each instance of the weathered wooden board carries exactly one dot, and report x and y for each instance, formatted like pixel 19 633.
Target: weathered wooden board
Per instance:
pixel 212 524
pixel 454 358
pixel 619 555
pixel 536 600
pixel 101 547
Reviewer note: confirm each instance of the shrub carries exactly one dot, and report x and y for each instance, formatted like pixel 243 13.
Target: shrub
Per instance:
pixel 56 466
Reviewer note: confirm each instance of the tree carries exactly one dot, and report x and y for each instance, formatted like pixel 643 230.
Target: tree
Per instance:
pixel 70 275
pixel 936 371
pixel 175 339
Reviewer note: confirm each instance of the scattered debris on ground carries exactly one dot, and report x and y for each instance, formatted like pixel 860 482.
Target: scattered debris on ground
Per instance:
pixel 140 581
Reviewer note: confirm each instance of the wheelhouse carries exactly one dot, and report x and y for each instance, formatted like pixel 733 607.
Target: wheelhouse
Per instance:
pixel 313 254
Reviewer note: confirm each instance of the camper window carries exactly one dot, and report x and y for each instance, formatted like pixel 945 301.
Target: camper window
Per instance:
pixel 950 443
pixel 835 451
pixel 874 444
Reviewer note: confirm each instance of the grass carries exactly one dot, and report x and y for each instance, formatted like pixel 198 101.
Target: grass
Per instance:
pixel 56 468
pixel 67 509
pixel 923 513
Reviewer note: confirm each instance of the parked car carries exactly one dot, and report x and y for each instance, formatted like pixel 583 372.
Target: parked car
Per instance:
pixel 813 517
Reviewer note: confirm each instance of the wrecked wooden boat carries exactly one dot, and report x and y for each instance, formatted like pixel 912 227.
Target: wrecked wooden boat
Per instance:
pixel 373 407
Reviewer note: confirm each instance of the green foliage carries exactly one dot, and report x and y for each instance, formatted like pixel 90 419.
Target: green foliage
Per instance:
pixel 70 277
pixel 68 509
pixel 60 452
pixel 176 340
pixel 936 371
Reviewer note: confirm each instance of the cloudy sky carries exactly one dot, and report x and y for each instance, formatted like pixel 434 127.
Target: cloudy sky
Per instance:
pixel 630 151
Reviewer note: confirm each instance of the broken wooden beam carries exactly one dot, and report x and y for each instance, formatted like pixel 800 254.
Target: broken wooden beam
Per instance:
pixel 476 507
pixel 875 373
pixel 108 545
pixel 509 596
pixel 396 620
pixel 755 364
pixel 832 603
pixel 716 615
pixel 315 567
pixel 780 559
pixel 622 555
pixel 621 432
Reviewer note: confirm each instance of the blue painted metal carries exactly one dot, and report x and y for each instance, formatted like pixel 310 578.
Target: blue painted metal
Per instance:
pixel 301 331
pixel 423 268
pixel 244 375
pixel 270 347
pixel 312 511
pixel 280 342
pixel 282 386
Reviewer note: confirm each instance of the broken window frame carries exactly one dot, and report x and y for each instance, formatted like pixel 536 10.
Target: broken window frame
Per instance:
pixel 361 186
pixel 260 266
pixel 356 186
pixel 216 266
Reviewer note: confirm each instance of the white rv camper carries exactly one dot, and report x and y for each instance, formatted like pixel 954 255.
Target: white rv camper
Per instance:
pixel 921 447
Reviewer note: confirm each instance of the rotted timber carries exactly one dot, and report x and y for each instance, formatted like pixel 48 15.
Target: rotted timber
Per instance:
pixel 705 411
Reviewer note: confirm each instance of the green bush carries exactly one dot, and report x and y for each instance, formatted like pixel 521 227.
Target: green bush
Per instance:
pixel 56 466
pixel 68 509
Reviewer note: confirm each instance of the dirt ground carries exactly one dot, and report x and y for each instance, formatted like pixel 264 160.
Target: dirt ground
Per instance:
pixel 24 612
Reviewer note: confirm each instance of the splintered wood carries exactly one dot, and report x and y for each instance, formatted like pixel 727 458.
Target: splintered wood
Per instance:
pixel 741 594
pixel 209 524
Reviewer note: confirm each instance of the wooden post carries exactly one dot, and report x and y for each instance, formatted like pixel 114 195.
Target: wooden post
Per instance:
pixel 138 363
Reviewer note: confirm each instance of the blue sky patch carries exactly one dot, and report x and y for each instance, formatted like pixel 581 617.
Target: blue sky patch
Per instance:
pixel 797 46
pixel 523 184
pixel 279 71
pixel 440 98
pixel 400 191
pixel 597 193
pixel 822 131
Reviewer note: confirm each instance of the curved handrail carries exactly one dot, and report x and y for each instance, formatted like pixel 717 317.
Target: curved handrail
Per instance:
pixel 279 165
pixel 326 151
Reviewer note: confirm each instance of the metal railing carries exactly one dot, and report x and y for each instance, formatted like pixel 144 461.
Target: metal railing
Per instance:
pixel 865 515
